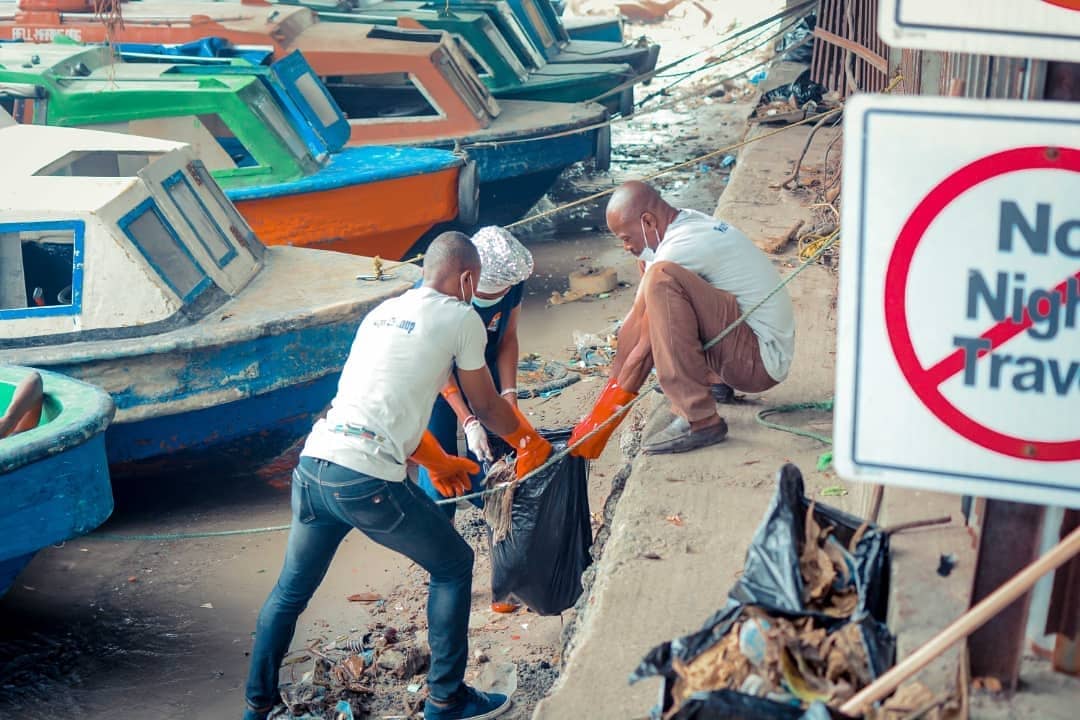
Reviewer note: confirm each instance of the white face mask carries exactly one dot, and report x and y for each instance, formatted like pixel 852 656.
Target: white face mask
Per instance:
pixel 486 302
pixel 647 253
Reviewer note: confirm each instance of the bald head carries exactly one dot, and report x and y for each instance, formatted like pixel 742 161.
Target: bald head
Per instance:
pixel 451 263
pixel 638 216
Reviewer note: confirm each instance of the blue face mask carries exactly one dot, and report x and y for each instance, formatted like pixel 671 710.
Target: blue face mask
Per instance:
pixel 486 302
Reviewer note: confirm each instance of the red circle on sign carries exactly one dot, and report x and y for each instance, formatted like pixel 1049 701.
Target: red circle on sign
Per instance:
pixel 1067 4
pixel 926 384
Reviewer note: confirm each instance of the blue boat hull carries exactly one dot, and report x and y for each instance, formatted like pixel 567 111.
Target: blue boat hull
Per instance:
pixel 228 438
pixel 514 176
pixel 281 381
pixel 54 499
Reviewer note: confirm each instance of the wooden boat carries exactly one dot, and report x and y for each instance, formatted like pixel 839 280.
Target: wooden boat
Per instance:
pixel 547 34
pixel 590 27
pixel 492 56
pixel 395 86
pixel 217 351
pixel 275 149
pixel 54 476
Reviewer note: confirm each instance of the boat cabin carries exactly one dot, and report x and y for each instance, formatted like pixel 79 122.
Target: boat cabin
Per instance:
pixel 250 127
pixel 392 84
pixel 111 236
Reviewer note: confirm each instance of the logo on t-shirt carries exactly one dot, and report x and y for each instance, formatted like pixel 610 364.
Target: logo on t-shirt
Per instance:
pixel 392 322
pixel 722 227
pixel 493 324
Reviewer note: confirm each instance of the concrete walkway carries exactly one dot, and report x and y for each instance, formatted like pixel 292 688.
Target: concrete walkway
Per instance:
pixel 719 494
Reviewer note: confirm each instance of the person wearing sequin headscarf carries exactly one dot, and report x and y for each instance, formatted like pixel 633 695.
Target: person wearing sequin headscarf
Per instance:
pixel 505 264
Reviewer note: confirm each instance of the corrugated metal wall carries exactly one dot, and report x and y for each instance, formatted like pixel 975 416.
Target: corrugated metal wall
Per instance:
pixel 854 20
pixel 925 73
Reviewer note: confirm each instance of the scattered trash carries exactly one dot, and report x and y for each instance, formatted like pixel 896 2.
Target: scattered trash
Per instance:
pixel 365 597
pixel 802 30
pixel 798 92
pixel 538 378
pixel 989 684
pixel 646 11
pixel 651 556
pixel 594 353
pixel 675 519
pixel 758 77
pixel 343 711
pixel 414 687
pixel 728 161
pixel 946 563
pixel 208 606
pixel 133 579
pixel 834 491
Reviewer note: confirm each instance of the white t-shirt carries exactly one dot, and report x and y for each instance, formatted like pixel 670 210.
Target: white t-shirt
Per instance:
pixel 399 361
pixel 726 258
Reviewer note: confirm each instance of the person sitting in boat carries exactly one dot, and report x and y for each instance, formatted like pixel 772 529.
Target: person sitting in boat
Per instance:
pixel 505 264
pixel 700 275
pixel 24 410
pixel 352 474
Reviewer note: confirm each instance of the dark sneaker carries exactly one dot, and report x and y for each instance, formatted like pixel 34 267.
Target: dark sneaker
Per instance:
pixel 678 438
pixel 468 704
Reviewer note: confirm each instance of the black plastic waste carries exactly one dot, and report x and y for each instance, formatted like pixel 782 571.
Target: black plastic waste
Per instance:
pixel 547 549
pixel 771 580
pixel 802 90
pixel 805 52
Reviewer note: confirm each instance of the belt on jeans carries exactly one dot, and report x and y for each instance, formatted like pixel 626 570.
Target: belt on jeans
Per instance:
pixel 358 431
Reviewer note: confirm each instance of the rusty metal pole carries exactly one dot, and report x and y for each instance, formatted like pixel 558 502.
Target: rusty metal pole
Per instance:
pixel 1009 541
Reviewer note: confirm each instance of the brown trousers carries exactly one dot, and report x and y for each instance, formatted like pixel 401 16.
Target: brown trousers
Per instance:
pixel 682 313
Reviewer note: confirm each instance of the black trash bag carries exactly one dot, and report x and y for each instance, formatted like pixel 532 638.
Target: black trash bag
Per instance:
pixel 802 90
pixel 541 559
pixel 805 52
pixel 771 580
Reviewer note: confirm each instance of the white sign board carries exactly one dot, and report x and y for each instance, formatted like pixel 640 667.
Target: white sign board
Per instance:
pixel 1046 29
pixel 958 358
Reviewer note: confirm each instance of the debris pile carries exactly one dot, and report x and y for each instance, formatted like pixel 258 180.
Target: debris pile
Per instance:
pixel 804 624
pixel 355 674
pixel 593 353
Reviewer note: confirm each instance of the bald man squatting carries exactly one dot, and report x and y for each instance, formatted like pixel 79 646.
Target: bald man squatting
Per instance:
pixel 700 274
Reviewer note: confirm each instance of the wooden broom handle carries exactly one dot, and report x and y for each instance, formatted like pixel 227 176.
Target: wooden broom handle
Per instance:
pixel 964 625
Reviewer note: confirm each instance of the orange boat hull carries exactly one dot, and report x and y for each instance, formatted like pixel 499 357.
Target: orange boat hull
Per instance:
pixel 384 218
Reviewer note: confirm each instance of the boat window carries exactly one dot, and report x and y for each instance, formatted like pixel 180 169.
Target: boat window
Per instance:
pixel 98 163
pixel 151 233
pixel 266 107
pixel 477 63
pixel 239 155
pixel 380 96
pixel 238 228
pixel 40 268
pixel 316 97
pixel 202 224
pixel 537 21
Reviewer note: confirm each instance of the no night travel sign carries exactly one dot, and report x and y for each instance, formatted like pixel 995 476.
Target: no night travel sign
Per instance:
pixel 1046 29
pixel 958 362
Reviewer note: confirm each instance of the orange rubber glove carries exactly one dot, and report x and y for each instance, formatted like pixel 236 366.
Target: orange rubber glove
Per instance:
pixel 532 450
pixel 449 474
pixel 611 400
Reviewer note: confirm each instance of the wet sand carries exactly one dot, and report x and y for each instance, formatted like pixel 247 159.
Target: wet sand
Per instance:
pixel 128 630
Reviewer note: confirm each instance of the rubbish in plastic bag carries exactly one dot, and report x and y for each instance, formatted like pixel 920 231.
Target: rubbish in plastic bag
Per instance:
pixel 805 52
pixel 542 557
pixel 781 644
pixel 801 90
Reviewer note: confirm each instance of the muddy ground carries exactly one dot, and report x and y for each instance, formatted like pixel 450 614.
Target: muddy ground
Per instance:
pixel 151 628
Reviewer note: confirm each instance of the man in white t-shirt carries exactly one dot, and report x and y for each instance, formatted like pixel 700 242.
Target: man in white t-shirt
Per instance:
pixel 352 474
pixel 701 274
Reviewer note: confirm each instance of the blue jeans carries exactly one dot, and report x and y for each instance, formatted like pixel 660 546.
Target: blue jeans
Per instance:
pixel 329 500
